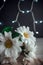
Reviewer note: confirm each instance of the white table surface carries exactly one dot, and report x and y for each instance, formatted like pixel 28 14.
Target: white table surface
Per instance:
pixel 39 43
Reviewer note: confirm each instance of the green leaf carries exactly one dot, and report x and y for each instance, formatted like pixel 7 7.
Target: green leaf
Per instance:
pixel 7 29
pixel 15 34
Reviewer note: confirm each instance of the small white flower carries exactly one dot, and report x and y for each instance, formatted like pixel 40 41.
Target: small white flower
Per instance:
pixel 30 47
pixel 26 34
pixel 32 50
pixel 30 56
pixel 9 45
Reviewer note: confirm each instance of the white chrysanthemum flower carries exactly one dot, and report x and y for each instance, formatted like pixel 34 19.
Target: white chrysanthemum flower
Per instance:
pixel 30 47
pixel 30 56
pixel 32 52
pixel 9 45
pixel 26 34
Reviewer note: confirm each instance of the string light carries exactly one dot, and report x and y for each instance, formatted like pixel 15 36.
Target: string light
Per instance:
pixel 37 32
pixel 3 4
pixel 4 0
pixel 35 0
pixel 0 23
pixel 21 0
pixel 36 22
pixel 27 11
pixel 41 21
pixel 23 11
pixel 13 21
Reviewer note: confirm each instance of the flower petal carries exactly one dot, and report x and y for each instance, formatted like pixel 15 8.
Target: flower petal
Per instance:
pixel 7 52
pixel 8 34
pixel 16 41
pixel 19 31
pixel 24 29
pixel 32 55
pixel 2 48
pixel 2 38
pixel 20 28
pixel 27 28
pixel 14 52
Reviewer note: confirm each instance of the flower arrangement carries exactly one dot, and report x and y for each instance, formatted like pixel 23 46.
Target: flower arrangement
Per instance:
pixel 15 42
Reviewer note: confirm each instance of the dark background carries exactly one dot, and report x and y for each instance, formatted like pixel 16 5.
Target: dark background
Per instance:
pixel 10 9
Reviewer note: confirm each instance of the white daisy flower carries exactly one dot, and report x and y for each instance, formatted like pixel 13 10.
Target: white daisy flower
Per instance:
pixel 32 52
pixel 30 47
pixel 30 56
pixel 9 45
pixel 26 34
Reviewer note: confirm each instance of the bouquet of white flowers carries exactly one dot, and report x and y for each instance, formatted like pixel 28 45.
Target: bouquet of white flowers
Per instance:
pixel 13 43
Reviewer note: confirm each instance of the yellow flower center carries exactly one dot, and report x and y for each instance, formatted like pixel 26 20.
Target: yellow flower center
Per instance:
pixel 8 43
pixel 26 35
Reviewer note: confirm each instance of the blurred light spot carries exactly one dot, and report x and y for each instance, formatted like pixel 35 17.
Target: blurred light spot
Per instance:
pixel 0 23
pixel 4 0
pixel 21 0
pixel 36 22
pixel 27 11
pixel 37 32
pixel 41 21
pixel 36 0
pixel 13 21
pixel 23 11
